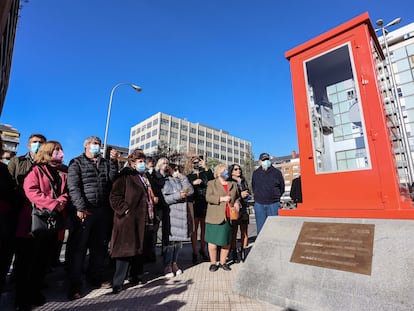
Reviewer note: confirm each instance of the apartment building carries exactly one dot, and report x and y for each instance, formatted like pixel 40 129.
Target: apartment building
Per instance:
pixel 401 50
pixel 181 135
pixel 289 166
pixel 10 138
pixel 9 11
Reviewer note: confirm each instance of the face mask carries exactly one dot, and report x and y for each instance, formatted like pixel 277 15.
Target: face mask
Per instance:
pixel 141 167
pixel 266 163
pixel 57 156
pixel 34 147
pixel 150 170
pixel 5 161
pixel 94 149
pixel 196 166
pixel 175 174
pixel 225 174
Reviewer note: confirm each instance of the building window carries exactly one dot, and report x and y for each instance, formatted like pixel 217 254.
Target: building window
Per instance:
pixel 216 146
pixel 241 145
pixel 193 130
pixel 201 142
pixel 216 137
pixel 192 140
pixel 230 159
pixel 174 125
pixel 184 128
pixel 142 137
pixel 208 135
pixel 154 132
pixel 229 141
pixel 229 150
pixel 147 145
pixel 223 157
pixel 216 156
pixel 154 143
pixel 137 140
pixel 133 133
pixel 183 138
pixel 223 148
pixel 138 130
pixel 164 121
pixel 236 144
pixel 208 144
pixel 149 124
pixel 201 133
pixel 209 154
pixel 148 134
pixel 223 139
pixel 155 122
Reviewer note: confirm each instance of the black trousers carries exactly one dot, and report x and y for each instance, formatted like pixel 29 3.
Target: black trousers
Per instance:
pixel 32 260
pixel 135 266
pixel 91 234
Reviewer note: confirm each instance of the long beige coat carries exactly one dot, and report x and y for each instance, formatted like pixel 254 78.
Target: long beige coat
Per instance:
pixel 216 210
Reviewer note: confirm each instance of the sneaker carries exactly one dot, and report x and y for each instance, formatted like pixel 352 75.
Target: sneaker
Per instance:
pixel 213 268
pixel 176 270
pixel 168 273
pixel 225 267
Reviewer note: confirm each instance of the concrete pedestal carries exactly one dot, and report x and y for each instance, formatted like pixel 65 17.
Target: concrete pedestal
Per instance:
pixel 268 274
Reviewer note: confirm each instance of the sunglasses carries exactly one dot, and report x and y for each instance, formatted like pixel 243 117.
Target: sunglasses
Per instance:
pixel 237 169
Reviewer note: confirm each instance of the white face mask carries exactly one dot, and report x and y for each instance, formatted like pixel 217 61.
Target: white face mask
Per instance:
pixel 150 170
pixel 175 174
pixel 266 163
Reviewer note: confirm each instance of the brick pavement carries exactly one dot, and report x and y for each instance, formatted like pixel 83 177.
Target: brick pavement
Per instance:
pixel 196 289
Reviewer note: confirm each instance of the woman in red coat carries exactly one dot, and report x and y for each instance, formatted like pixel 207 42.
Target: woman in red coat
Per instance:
pixel 132 201
pixel 45 187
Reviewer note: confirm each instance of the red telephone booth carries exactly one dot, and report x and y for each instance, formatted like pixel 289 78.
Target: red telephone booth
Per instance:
pixel 348 165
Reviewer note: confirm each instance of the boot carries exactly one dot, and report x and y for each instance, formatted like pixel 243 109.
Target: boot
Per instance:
pixel 243 254
pixel 235 259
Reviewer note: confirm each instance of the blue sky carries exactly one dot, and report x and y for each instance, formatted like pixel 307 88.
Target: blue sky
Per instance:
pixel 216 62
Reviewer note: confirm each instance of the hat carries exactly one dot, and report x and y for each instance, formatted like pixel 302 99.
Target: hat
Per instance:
pixel 264 156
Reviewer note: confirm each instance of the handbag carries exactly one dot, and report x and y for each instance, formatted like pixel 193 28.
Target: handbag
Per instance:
pixel 234 213
pixel 45 221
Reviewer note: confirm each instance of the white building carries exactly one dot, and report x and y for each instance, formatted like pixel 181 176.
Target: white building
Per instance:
pixel 401 48
pixel 184 136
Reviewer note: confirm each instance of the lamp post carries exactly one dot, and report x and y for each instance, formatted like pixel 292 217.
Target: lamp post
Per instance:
pixel 136 88
pixel 406 143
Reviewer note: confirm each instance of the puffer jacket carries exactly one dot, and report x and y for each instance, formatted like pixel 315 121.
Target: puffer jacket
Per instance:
pixel 89 184
pixel 175 224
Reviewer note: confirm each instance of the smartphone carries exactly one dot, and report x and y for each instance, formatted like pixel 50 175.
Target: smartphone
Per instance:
pixel 201 157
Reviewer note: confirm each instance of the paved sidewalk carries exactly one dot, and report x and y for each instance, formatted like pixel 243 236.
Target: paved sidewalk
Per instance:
pixel 196 289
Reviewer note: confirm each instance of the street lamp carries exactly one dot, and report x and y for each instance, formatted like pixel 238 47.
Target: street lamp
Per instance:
pixel 406 143
pixel 136 88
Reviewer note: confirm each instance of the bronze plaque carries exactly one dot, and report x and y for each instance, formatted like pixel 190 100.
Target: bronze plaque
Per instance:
pixel 340 246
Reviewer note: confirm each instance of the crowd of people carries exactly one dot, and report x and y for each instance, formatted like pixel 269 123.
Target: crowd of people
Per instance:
pixel 114 213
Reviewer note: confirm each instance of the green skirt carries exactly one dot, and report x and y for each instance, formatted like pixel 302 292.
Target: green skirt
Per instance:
pixel 220 235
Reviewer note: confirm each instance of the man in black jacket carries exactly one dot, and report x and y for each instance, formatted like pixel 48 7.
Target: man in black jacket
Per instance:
pixel 90 179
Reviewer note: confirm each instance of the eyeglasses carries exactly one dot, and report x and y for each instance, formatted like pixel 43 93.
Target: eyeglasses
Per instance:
pixel 196 162
pixel 237 169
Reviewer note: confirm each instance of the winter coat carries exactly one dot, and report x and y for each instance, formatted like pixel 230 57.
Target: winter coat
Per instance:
pixel 176 225
pixel 19 168
pixel 39 190
pixel 216 210
pixel 89 183
pixel 128 199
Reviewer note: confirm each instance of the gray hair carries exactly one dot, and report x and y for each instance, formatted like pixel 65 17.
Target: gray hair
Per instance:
pixel 90 139
pixel 160 162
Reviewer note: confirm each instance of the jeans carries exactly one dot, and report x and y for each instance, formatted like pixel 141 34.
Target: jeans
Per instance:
pixel 171 252
pixel 261 211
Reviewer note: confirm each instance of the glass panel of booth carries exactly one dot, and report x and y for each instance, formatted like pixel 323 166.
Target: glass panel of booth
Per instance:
pixel 338 127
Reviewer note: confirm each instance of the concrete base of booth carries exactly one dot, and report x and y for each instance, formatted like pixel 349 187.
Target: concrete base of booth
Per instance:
pixel 269 275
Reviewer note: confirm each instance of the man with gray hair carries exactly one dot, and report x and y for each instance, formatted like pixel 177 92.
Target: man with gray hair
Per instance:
pixel 90 179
